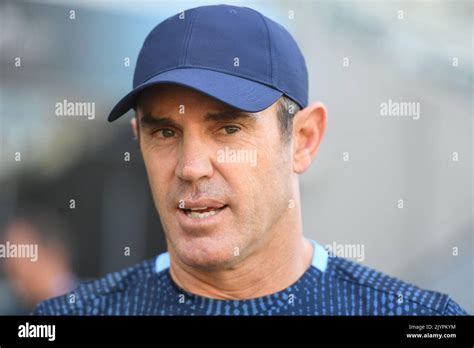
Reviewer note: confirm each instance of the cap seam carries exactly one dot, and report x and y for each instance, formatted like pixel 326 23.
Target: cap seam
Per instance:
pixel 183 44
pixel 269 44
pixel 189 33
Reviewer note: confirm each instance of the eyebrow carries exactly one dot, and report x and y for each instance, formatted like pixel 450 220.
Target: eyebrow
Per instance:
pixel 149 120
pixel 229 115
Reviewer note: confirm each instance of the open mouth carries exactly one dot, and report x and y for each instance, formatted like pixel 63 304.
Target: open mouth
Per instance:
pixel 202 212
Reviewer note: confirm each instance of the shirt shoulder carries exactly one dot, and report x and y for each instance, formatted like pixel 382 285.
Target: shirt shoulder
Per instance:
pixel 376 293
pixel 87 297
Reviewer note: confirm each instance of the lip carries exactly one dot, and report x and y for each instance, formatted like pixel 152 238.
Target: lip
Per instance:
pixel 188 223
pixel 202 202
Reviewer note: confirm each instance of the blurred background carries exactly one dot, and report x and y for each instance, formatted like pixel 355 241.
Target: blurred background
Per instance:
pixel 77 188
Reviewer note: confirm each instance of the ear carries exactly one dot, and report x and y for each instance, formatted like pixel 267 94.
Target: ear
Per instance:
pixel 133 123
pixel 309 126
pixel 136 131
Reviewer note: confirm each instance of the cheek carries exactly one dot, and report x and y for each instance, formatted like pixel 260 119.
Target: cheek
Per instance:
pixel 273 180
pixel 159 172
pixel 252 186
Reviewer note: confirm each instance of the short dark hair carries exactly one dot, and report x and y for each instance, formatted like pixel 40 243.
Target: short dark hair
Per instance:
pixel 287 109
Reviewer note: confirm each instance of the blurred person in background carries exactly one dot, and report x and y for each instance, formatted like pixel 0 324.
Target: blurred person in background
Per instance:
pixel 46 270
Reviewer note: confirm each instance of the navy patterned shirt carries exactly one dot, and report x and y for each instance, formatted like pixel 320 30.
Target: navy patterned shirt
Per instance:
pixel 330 286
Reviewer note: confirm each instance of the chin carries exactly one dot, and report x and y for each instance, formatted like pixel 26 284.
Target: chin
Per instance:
pixel 206 253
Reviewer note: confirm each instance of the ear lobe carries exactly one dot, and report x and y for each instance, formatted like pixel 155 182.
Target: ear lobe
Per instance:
pixel 308 129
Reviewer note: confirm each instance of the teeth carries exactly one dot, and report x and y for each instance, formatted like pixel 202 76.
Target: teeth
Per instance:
pixel 200 208
pixel 195 215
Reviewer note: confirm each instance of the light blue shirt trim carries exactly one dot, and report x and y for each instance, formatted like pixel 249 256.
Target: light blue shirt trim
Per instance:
pixel 320 256
pixel 162 262
pixel 319 260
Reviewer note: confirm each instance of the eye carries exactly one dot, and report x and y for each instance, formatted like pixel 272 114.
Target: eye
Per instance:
pixel 229 130
pixel 165 133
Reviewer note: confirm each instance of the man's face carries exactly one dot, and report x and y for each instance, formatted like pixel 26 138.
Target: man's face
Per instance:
pixel 220 179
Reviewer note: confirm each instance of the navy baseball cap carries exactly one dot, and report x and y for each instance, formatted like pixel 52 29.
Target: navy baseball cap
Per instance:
pixel 233 54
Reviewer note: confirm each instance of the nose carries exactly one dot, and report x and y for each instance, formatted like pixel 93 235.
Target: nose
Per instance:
pixel 194 160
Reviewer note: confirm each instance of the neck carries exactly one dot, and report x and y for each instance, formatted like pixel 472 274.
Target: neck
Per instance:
pixel 277 265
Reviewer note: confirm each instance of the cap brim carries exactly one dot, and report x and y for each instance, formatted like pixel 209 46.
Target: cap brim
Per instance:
pixel 238 92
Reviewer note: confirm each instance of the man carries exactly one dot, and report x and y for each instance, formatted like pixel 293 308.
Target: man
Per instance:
pixel 224 128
